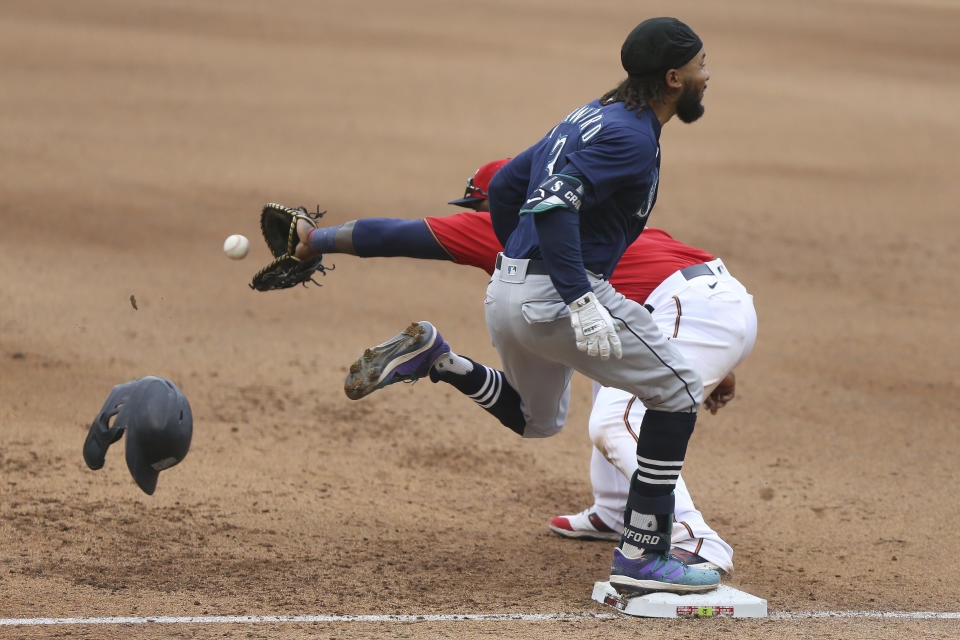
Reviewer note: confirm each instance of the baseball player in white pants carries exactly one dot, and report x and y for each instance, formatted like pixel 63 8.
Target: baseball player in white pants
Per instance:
pixel 709 316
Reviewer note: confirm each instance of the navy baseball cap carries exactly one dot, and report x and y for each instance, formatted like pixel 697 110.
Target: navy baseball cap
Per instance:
pixel 479 184
pixel 658 44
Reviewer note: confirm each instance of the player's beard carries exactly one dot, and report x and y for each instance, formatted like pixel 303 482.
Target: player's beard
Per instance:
pixel 689 105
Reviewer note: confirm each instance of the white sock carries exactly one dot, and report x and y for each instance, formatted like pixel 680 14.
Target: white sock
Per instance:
pixel 452 363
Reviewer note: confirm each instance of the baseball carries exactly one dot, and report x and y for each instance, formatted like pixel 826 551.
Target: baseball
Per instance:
pixel 236 246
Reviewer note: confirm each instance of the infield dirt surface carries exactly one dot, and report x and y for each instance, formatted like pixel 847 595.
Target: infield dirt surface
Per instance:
pixel 135 136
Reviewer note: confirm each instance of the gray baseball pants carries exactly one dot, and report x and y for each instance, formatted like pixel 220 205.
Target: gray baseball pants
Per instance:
pixel 530 327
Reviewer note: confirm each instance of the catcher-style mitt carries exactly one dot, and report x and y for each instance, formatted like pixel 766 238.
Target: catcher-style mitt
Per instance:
pixel 278 223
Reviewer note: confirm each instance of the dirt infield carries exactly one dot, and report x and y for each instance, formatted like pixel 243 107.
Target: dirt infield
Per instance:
pixel 137 135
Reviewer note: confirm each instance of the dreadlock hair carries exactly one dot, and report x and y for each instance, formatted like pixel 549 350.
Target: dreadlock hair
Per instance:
pixel 636 92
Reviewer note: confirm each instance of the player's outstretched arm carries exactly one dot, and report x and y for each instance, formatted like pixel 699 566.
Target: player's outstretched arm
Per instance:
pixel 371 238
pixel 466 238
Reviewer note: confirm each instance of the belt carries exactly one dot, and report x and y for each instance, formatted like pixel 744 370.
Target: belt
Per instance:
pixel 537 268
pixel 696 270
pixel 534 267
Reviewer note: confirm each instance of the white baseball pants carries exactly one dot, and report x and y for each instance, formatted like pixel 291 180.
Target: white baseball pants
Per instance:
pixel 712 322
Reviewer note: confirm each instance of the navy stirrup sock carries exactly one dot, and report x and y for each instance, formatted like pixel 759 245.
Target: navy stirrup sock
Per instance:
pixel 661 448
pixel 489 389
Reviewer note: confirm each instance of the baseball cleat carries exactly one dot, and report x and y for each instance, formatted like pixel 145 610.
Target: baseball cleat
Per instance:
pixel 658 572
pixel 585 525
pixel 406 357
pixel 695 561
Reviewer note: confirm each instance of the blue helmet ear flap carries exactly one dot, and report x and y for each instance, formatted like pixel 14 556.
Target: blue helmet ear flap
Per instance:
pixel 102 433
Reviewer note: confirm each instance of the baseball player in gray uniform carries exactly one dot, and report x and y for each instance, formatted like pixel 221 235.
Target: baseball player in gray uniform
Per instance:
pixel 565 209
pixel 713 326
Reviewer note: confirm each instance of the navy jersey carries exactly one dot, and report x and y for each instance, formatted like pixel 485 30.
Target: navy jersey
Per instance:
pixel 614 153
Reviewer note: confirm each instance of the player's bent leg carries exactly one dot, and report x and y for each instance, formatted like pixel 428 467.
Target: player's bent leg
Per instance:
pixel 614 422
pixel 487 387
pixel 642 562
pixel 544 393
pixel 709 347
pixel 542 385
pixel 712 322
pixel 418 351
pixel 672 393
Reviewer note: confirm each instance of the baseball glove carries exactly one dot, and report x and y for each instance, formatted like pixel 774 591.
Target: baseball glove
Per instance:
pixel 278 223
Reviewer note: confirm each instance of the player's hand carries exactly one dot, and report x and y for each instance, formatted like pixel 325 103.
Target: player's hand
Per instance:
pixel 304 251
pixel 723 394
pixel 595 332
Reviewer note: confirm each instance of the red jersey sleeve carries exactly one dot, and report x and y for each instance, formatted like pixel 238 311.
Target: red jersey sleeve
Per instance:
pixel 467 237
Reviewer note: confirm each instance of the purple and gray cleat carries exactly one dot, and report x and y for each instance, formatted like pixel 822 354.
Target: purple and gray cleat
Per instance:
pixel 659 572
pixel 406 357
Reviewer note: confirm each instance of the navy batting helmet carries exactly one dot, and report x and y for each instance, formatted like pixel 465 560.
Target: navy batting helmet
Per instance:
pixel 156 417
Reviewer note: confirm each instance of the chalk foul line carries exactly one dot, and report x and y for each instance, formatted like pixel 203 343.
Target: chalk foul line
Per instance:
pixel 904 615
pixel 450 617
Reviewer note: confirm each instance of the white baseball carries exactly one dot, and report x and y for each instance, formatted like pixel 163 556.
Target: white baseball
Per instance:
pixel 236 246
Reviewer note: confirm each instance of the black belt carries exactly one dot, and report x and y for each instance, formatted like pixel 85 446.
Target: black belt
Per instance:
pixel 696 270
pixel 534 267
pixel 537 268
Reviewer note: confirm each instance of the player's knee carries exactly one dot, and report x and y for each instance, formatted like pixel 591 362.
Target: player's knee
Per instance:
pixel 613 437
pixel 544 426
pixel 686 395
pixel 541 429
pixel 599 429
pixel 544 419
pixel 603 439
